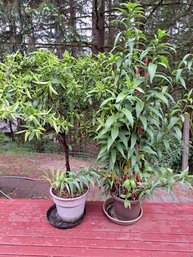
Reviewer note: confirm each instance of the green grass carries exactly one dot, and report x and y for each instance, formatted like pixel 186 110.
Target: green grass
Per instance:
pixel 14 148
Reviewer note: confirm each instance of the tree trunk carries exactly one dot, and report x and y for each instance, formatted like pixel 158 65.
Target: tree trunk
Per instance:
pixel 66 150
pixel 73 25
pixel 11 131
pixel 98 26
pixel 186 136
pixel 59 48
pixel 21 136
pixel 110 34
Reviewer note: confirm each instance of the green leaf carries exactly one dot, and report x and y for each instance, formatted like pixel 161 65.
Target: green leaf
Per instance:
pixel 178 74
pixel 129 116
pixel 148 149
pixel 178 133
pixel 109 143
pixel 183 83
pixel 133 161
pixel 120 97
pixel 117 38
pixel 101 133
pixel 173 121
pixel 52 90
pixel 123 139
pixel 144 121
pixel 127 184
pixel 110 121
pixel 102 152
pixel 127 204
pixel 152 70
pixel 160 96
pixel 139 108
pixel 120 148
pixel 161 33
pixel 155 111
pixel 133 140
pixel 159 75
pixel 114 133
pixel 164 60
pixel 113 159
pixel 151 134
pixel 130 153
pixel 107 100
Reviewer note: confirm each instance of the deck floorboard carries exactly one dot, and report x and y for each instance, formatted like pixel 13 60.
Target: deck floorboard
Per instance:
pixel 165 229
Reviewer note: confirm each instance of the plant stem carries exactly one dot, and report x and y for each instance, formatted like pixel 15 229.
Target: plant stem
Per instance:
pixel 66 150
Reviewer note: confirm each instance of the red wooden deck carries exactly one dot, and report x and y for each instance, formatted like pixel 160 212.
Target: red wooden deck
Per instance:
pixel 165 230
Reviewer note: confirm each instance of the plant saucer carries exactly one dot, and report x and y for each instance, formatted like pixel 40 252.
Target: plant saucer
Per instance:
pixel 109 210
pixel 57 222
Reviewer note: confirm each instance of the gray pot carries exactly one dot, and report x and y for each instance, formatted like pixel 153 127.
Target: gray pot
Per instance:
pixel 69 209
pixel 123 213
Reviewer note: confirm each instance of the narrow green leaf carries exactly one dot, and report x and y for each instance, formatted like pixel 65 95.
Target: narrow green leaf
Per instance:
pixel 110 121
pixel 109 143
pixel 123 139
pixel 152 70
pixel 148 150
pixel 144 121
pixel 164 60
pixel 52 90
pixel 182 81
pixel 107 100
pixel 178 74
pixel 130 153
pixel 178 133
pixel 101 133
pixel 139 108
pixel 102 152
pixel 173 121
pixel 160 96
pixel 113 159
pixel 114 133
pixel 151 134
pixel 121 149
pixel 120 97
pixel 129 116
pixel 155 111
pixel 133 140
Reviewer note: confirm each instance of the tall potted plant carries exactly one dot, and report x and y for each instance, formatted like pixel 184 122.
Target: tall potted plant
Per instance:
pixel 137 117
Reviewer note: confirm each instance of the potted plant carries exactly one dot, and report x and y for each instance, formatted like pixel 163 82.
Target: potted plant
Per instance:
pixel 69 191
pixel 137 118
pixel 52 98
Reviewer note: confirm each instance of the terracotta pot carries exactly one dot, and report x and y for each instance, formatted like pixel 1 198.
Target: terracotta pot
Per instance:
pixel 123 213
pixel 70 209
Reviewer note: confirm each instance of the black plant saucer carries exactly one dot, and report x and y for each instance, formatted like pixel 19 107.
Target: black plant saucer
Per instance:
pixel 57 222
pixel 109 210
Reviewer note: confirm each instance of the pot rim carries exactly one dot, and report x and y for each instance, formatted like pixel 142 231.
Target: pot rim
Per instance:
pixel 68 199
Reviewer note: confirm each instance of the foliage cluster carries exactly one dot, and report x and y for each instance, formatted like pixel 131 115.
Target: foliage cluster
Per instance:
pixel 47 93
pixel 72 183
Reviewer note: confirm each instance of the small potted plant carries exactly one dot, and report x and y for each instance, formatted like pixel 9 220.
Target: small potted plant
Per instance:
pixel 137 118
pixel 129 189
pixel 69 191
